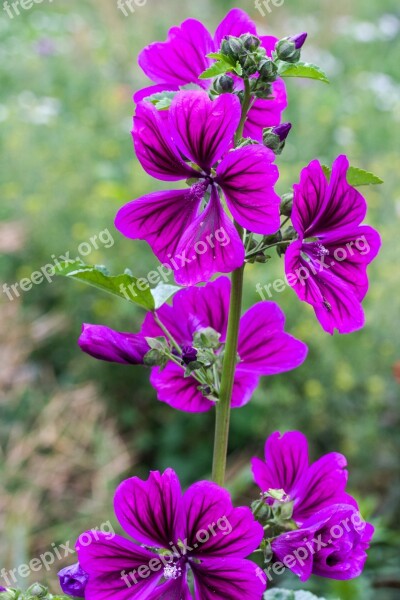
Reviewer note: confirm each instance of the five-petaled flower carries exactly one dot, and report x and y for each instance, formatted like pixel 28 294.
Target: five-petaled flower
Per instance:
pixel 198 534
pixel 328 263
pixel 184 224
pixel 182 58
pixel 264 347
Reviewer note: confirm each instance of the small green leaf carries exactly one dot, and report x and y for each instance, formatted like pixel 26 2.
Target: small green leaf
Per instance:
pixel 124 286
pixel 238 69
pixel 301 69
pixel 161 100
pixel 357 177
pixel 219 68
pixel 222 57
pixel 162 293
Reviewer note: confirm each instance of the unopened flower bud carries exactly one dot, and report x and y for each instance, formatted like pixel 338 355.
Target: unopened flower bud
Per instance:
pixel 189 355
pixel 286 50
pixel 73 580
pixel 268 70
pixel 250 42
pixel 37 591
pixel 282 130
pixel 287 204
pixel 275 137
pixel 232 47
pixel 224 84
pixel 299 40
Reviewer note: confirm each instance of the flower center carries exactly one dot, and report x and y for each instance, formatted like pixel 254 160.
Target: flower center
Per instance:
pixel 172 572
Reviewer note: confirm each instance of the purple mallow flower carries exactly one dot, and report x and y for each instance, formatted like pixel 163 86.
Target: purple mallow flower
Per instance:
pixel 182 58
pixel 198 531
pixel 311 487
pixel 332 543
pixel 73 580
pixel 188 229
pixel 264 347
pixel 327 265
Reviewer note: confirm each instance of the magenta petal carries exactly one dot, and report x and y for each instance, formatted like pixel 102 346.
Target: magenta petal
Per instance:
pixel 309 198
pixel 174 589
pixel 350 252
pixel 335 304
pixel 228 578
pixel 107 560
pixel 151 511
pixel 291 549
pixel 323 484
pixel 236 23
pixel 160 219
pixel 264 348
pixel 266 113
pixel 247 177
pixel 214 527
pixel 203 129
pixel 154 147
pixel 106 344
pixel 268 42
pixel 177 391
pixel 286 461
pixel 182 58
pixel 244 385
pixel 209 245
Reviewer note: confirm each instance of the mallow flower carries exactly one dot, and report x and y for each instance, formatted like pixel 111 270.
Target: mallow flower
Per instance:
pixel 184 227
pixel 73 580
pixel 264 347
pixel 194 538
pixel 331 543
pixel 182 58
pixel 327 264
pixel 311 487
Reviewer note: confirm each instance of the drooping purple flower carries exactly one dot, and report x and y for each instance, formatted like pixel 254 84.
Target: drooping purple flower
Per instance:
pixel 188 229
pixel 264 347
pixel 332 543
pixel 182 58
pixel 198 531
pixel 73 580
pixel 311 487
pixel 106 344
pixel 327 265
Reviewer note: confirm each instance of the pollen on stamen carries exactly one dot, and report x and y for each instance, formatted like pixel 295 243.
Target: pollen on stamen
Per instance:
pixel 172 572
pixel 322 251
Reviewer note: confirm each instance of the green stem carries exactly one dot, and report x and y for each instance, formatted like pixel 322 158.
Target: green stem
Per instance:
pixel 223 406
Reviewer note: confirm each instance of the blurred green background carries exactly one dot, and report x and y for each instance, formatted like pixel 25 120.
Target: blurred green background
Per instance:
pixel 71 427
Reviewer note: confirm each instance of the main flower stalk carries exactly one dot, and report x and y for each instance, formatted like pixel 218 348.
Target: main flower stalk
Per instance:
pixel 223 406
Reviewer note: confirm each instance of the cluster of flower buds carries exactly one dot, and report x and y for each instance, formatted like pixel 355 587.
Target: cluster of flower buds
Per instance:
pixel 35 592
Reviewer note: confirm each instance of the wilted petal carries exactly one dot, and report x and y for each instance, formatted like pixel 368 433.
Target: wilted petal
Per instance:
pixel 247 177
pixel 264 347
pixel 182 58
pixel 154 147
pixel 266 113
pixel 151 511
pixel 286 461
pixel 107 560
pixel 203 129
pixel 177 391
pixel 236 23
pixel 214 527
pixel 106 344
pixel 160 219
pixel 233 578
pixel 209 245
